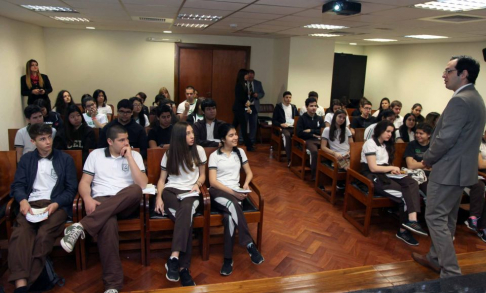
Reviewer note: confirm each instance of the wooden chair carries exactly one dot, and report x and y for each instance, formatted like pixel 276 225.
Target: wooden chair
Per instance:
pixel 96 134
pixel 350 112
pixel 360 190
pixel 327 176
pixel 8 167
pixel 110 116
pixel 358 134
pixel 299 155
pixel 276 142
pixel 265 122
pixel 12 132
pixel 157 223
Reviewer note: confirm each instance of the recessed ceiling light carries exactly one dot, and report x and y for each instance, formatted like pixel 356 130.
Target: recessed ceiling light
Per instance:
pixel 78 19
pixel 192 25
pixel 426 37
pixel 325 26
pixel 353 44
pixel 167 32
pixel 324 35
pixel 453 5
pixel 49 8
pixel 381 40
pixel 199 17
pixel 90 27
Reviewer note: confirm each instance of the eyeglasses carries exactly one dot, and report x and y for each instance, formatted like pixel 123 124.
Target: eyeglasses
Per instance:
pixel 89 105
pixel 125 112
pixel 137 105
pixel 447 71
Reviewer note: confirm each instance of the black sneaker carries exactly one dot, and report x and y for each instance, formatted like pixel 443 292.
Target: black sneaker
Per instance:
pixel 172 267
pixel 227 268
pixel 186 279
pixel 472 223
pixel 407 237
pixel 414 227
pixel 482 234
pixel 255 255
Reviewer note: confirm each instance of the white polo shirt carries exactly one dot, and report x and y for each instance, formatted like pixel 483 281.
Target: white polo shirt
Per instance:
pixel 45 180
pixel 182 107
pixel 22 140
pixel 110 174
pixel 100 117
pixel 336 145
pixel 370 148
pixel 329 116
pixel 186 180
pixel 227 168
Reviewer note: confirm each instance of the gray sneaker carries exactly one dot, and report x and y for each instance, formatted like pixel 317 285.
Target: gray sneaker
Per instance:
pixel 111 291
pixel 71 235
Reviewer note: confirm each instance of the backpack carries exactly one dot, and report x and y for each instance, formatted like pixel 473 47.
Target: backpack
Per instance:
pixel 48 279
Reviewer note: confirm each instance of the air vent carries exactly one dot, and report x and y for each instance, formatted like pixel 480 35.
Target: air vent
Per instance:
pixel 456 18
pixel 343 33
pixel 153 19
pixel 383 28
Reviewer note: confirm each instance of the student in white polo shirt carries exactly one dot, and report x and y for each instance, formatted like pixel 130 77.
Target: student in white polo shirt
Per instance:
pixel 111 188
pixel 93 117
pixel 184 164
pixel 224 176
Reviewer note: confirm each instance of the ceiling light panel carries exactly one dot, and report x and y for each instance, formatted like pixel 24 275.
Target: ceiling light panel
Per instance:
pixel 325 26
pixel 381 40
pixel 70 19
pixel 453 5
pixel 192 25
pixel 39 8
pixel 426 37
pixel 199 17
pixel 324 35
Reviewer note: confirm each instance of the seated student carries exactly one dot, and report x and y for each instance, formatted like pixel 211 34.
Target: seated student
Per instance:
pixel 206 131
pixel 22 140
pixel 320 110
pixel 50 117
pixel 359 111
pixel 224 177
pixel 365 119
pixel 432 119
pixel 101 100
pixel 309 128
pixel 93 117
pixel 283 117
pixel 197 114
pixel 336 138
pixel 416 110
pixel 143 97
pixel 160 134
pixel 76 134
pixel 415 151
pixel 384 115
pixel 335 105
pixel 376 158
pixel 396 106
pixel 406 132
pixel 188 106
pixel 184 165
pixel 164 98
pixel 136 133
pixel 64 99
pixel 45 178
pixel 137 114
pixel 111 188
pixel 384 104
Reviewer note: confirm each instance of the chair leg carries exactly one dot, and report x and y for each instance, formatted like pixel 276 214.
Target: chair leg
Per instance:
pixel 367 222
pixel 259 235
pixel 147 248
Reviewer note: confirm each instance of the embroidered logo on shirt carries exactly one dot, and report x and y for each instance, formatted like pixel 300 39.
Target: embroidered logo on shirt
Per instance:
pixel 125 167
pixel 53 174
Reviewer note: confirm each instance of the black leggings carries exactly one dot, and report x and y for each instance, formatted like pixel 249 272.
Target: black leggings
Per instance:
pixel 240 120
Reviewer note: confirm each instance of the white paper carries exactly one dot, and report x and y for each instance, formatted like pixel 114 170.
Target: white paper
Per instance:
pixel 187 194
pixel 149 189
pixel 241 190
pixel 480 178
pixel 396 176
pixel 39 215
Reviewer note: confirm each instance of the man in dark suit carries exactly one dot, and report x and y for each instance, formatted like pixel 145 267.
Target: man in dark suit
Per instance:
pixel 453 157
pixel 256 93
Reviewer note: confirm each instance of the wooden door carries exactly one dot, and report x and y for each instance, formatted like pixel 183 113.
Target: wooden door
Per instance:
pixel 195 68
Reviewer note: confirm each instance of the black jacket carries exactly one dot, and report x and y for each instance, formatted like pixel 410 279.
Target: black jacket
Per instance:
pixel 83 139
pixel 24 89
pixel 136 135
pixel 307 122
pixel 201 135
pixel 241 97
pixel 279 114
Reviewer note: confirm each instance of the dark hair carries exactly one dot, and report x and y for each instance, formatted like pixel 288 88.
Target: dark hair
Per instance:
pixel 251 71
pixel 384 99
pixel 416 105
pixel 286 93
pixel 31 110
pixel 431 117
pixel 60 104
pixel 366 103
pixel 42 104
pixel 96 94
pixel 39 129
pixel 141 115
pixel 333 103
pixel 313 94
pixel 222 132
pixel 425 127
pixel 396 103
pixel 469 64
pixel 240 77
pixel 385 114
pixel 310 100
pixel 163 109
pixel 142 95
pixel 208 103
pixel 86 98
pixel 390 144
pixel 180 154
pixel 332 130
pixel 362 101
pixel 125 103
pixel 189 87
pixel 403 129
pixel 68 127
pixel 113 131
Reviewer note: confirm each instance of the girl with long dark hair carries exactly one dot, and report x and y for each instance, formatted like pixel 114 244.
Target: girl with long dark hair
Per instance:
pixel 101 99
pixel 93 117
pixel 138 114
pixel 336 138
pixel 183 165
pixel 384 104
pixel 416 111
pixel 63 100
pixel 406 132
pixel 241 106
pixel 335 105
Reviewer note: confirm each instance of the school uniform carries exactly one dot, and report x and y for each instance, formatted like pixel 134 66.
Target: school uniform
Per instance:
pixel 329 116
pixel 311 143
pixel 285 115
pixel 22 139
pixel 102 119
pixel 336 145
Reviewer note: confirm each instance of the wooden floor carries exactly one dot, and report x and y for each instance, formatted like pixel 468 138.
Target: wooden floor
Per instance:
pixel 303 234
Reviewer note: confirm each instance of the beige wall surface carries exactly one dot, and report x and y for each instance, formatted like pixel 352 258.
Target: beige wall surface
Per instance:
pixel 19 42
pixel 349 49
pixel 281 68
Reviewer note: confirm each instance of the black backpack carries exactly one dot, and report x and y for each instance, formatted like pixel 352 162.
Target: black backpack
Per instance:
pixel 48 279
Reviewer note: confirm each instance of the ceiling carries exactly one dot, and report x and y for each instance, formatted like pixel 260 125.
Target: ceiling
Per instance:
pixel 261 18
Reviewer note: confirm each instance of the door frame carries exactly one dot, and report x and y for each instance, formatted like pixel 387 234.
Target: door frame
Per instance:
pixel 179 46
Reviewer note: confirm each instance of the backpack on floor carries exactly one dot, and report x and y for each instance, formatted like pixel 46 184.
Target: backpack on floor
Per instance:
pixel 48 279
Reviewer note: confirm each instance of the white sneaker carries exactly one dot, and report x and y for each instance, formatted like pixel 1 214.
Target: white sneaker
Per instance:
pixel 71 235
pixel 111 291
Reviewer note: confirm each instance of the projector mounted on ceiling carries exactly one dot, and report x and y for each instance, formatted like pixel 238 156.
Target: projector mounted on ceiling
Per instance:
pixel 342 7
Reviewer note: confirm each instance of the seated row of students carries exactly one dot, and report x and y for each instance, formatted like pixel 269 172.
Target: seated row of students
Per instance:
pixel 111 188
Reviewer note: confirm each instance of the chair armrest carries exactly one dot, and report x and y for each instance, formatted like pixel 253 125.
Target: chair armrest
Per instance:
pixel 9 216
pixel 482 174
pixel 81 210
pixel 327 156
pixel 75 209
pixel 147 206
pixel 5 198
pixel 277 130
pixel 352 174
pixel 256 190
pixel 296 141
pixel 206 200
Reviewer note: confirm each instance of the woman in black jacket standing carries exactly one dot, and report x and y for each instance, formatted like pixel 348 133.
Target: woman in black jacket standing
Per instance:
pixel 241 106
pixel 34 84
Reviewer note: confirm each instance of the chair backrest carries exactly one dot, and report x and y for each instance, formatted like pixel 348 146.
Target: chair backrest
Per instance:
pixel 154 157
pixel 355 155
pixel 80 107
pixel 400 148
pixel 359 134
pixel 266 108
pixel 296 119
pixel 96 134
pixel 78 161
pixel 8 167
pixel 208 151
pixel 112 109
pixel 350 111
pixel 12 132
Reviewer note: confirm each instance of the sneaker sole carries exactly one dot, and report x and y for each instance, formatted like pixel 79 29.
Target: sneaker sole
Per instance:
pixel 481 237
pixel 65 247
pixel 467 225
pixel 221 272
pixel 406 241
pixel 257 263
pixel 415 231
pixel 167 276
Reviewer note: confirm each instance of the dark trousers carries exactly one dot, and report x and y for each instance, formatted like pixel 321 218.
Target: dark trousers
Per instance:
pixel 477 207
pixel 240 120
pixel 252 122
pixel 233 218
pixel 313 146
pixel 287 133
pixel 181 212
pixel 102 223
pixel 31 243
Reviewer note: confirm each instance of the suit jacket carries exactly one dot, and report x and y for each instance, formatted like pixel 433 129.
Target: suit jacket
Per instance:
pixel 258 88
pixel 279 114
pixel 201 134
pixel 454 145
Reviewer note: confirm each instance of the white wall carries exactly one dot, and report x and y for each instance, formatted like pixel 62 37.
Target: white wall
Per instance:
pixel 19 43
pixel 281 68
pixel 348 49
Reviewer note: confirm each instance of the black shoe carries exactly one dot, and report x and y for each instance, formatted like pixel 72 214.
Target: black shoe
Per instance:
pixel 407 237
pixel 482 235
pixel 250 149
pixel 227 268
pixel 186 279
pixel 255 255
pixel 172 267
pixel 414 227
pixel 472 223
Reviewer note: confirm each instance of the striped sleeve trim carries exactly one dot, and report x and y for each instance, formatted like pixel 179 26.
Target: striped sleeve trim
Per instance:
pixel 143 171
pixel 324 138
pixel 370 154
pixel 18 146
pixel 163 168
pixel 89 173
pixel 245 162
pixel 203 163
pixel 213 168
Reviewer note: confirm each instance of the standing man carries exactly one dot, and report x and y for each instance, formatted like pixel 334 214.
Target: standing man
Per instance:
pixel 188 106
pixel 256 91
pixel 455 165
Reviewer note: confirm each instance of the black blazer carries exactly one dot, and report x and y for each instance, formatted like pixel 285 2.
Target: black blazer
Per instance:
pixel 24 89
pixel 241 97
pixel 201 134
pixel 279 114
